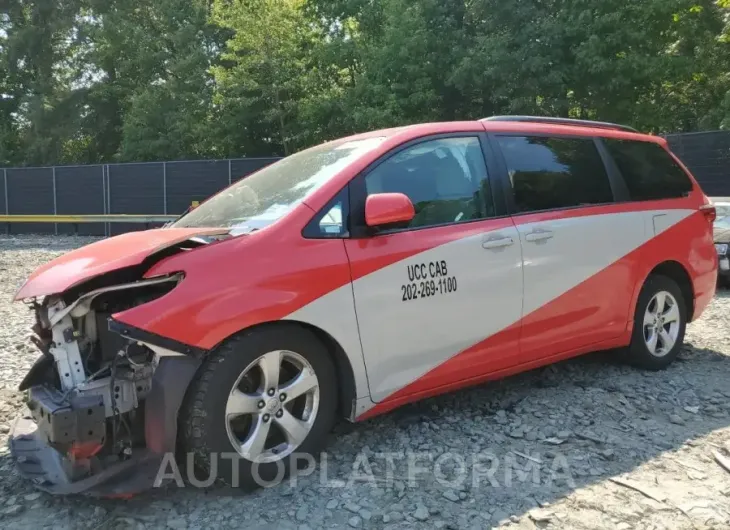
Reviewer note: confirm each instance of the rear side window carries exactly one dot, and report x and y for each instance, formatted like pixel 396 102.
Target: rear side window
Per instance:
pixel 550 173
pixel 649 171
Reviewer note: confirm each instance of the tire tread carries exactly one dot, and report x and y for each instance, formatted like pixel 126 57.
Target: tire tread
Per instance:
pixel 637 354
pixel 194 412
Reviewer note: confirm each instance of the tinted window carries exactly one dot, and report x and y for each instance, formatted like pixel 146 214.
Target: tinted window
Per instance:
pixel 446 180
pixel 549 173
pixel 650 172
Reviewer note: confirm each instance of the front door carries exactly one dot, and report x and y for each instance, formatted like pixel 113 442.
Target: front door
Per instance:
pixel 430 295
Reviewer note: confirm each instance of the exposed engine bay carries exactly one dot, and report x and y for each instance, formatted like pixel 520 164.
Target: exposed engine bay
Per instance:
pixel 86 388
pixel 96 401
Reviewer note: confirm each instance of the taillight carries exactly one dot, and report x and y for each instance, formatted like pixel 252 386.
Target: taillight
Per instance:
pixel 708 210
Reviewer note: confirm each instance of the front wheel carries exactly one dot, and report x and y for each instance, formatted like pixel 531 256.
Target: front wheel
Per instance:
pixel 262 401
pixel 659 324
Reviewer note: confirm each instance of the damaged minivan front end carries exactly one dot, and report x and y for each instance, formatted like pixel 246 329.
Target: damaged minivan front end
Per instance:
pixel 102 397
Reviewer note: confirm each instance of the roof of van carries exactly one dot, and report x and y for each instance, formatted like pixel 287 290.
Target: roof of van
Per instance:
pixel 519 124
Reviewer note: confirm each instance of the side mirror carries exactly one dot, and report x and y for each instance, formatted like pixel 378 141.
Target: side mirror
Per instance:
pixel 388 208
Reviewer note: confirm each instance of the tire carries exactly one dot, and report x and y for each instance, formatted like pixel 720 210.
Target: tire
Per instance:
pixel 207 433
pixel 639 352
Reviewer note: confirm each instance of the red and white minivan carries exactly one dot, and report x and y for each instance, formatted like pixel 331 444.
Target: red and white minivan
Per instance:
pixel 354 277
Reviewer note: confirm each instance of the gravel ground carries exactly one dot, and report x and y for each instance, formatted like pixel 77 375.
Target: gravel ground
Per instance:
pixel 587 443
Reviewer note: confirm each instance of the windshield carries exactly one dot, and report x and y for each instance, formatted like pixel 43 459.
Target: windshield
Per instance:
pixel 272 192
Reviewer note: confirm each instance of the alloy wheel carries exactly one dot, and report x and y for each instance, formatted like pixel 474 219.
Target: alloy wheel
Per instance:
pixel 272 406
pixel 661 324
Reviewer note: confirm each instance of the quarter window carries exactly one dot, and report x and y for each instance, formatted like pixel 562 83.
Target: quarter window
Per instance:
pixel 332 220
pixel 549 173
pixel 649 171
pixel 446 179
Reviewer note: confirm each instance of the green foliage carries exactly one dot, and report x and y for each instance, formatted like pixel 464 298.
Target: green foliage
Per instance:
pixel 263 75
pixel 86 81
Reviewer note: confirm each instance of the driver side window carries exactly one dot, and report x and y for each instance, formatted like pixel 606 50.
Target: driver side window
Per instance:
pixel 445 179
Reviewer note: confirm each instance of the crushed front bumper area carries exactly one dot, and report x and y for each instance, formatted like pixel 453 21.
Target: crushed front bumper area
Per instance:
pixel 55 473
pixel 50 423
pixel 103 397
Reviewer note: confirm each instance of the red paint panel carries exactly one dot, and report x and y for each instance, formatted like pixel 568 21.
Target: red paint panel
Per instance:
pixel 691 203
pixel 241 282
pixel 101 257
pixel 690 244
pixel 471 380
pixel 265 276
pixel 369 255
pixel 600 304
pixel 572 130
pixel 688 238
pixel 387 208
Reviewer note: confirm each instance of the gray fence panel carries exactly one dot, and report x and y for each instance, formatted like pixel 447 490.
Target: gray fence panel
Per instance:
pixel 3 190
pixel 135 189
pixel 242 167
pixel 193 181
pixel 80 191
pixel 30 191
pixel 707 155
pixel 158 188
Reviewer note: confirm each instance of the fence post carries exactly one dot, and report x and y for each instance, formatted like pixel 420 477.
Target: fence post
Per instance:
pixel 107 199
pixel 229 172
pixel 55 201
pixel 103 195
pixel 7 201
pixel 164 188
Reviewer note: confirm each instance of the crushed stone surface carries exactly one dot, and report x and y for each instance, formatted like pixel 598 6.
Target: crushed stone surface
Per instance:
pixel 584 444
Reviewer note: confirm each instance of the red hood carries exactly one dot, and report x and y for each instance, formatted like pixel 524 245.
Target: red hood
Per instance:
pixel 104 256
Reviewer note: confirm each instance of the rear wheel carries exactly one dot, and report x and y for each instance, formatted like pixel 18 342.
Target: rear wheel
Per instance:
pixel 659 324
pixel 262 401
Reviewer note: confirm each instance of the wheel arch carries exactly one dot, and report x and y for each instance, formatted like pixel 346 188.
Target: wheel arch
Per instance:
pixel 677 272
pixel 346 385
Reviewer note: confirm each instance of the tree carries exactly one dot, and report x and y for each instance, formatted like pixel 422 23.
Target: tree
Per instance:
pixel 263 75
pixel 38 96
pixel 173 113
pixel 115 80
pixel 152 92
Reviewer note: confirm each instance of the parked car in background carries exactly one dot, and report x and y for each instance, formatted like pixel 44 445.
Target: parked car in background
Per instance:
pixel 722 240
pixel 351 278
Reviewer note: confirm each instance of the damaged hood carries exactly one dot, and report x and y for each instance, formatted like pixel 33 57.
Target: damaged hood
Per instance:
pixel 126 250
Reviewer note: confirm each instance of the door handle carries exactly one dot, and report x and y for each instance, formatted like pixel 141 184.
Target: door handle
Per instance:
pixel 498 242
pixel 538 235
